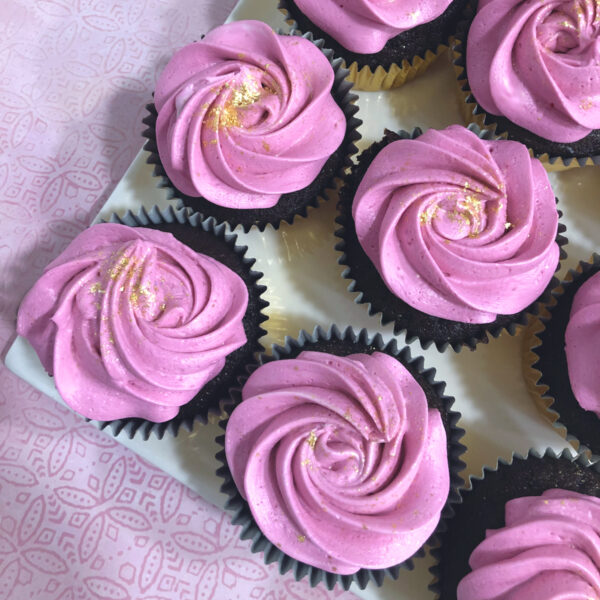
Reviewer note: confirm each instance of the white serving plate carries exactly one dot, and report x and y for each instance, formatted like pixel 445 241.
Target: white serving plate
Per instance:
pixel 498 415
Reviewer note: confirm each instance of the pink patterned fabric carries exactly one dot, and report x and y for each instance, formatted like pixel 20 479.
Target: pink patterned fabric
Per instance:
pixel 81 516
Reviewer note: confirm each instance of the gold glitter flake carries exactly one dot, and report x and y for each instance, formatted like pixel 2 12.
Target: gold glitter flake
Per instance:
pixel 306 462
pixel 301 538
pixel 428 215
pixel 586 104
pixel 120 265
pixel 311 440
pixel 508 226
pixel 245 95
pixel 266 146
pixel 469 213
pixel 220 117
pixel 96 288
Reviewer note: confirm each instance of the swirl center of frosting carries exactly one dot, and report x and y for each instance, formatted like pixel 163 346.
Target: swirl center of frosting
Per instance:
pixel 133 279
pixel 246 100
pixel 465 213
pixel 569 27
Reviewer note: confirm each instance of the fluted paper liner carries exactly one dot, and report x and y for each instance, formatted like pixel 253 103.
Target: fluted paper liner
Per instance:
pixel 542 382
pixel 343 342
pixel 395 75
pixel 482 506
pixel 291 204
pixel 381 301
pixel 211 400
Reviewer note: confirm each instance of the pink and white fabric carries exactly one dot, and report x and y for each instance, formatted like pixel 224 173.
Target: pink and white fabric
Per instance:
pixel 81 516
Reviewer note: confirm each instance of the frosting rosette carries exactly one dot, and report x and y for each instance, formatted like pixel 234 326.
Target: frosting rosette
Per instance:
pixel 459 227
pixel 582 338
pixel 549 549
pixel 246 115
pixel 133 323
pixel 365 26
pixel 340 459
pixel 538 64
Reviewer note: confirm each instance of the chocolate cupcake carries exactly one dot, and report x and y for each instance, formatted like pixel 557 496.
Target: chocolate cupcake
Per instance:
pixel 523 557
pixel 322 438
pixel 437 234
pixel 382 46
pixel 561 364
pixel 145 322
pixel 251 127
pixel 529 71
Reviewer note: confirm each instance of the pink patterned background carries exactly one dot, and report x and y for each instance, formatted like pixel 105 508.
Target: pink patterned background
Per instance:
pixel 80 516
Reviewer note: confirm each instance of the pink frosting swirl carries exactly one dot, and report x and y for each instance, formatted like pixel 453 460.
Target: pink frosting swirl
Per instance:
pixel 365 26
pixel 538 64
pixel 340 459
pixel 132 323
pixel 548 550
pixel 246 115
pixel 459 227
pixel 582 339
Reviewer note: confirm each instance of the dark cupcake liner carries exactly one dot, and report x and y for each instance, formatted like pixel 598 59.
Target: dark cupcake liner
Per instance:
pixel 343 343
pixel 214 241
pixel 365 278
pixel 291 204
pixel 555 154
pixel 416 42
pixel 546 365
pixel 482 507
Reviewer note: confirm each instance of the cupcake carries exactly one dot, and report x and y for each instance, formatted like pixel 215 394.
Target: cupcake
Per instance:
pixel 251 127
pixel 341 457
pixel 144 323
pixel 383 45
pixel 533 73
pixel 562 366
pixel 449 234
pixel 527 530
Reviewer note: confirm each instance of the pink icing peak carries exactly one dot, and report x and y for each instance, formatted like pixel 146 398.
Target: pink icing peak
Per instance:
pixel 340 459
pixel 549 549
pixel 132 323
pixel 582 340
pixel 538 64
pixel 365 26
pixel 459 227
pixel 246 115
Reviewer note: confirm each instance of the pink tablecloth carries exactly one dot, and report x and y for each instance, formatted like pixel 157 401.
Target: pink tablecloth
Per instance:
pixel 80 516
